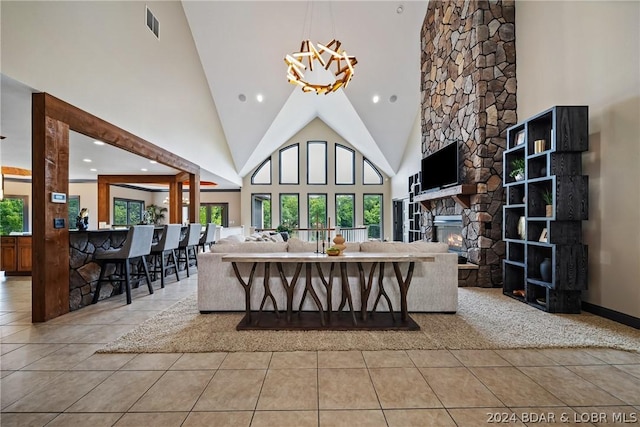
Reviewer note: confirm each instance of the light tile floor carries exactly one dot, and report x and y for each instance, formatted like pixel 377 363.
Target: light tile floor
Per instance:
pixel 50 375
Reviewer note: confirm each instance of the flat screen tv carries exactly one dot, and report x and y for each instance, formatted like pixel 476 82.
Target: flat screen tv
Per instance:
pixel 440 168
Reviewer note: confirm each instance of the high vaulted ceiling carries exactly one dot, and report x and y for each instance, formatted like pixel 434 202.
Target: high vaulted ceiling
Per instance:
pixel 242 45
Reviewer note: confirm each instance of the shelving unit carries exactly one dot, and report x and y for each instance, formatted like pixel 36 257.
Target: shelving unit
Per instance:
pixel 530 235
pixel 415 233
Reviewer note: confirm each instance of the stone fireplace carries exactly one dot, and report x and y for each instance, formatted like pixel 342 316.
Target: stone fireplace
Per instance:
pixel 469 97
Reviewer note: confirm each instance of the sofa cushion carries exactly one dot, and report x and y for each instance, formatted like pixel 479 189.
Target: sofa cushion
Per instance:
pixel 233 239
pixel 249 247
pixel 297 245
pixel 416 247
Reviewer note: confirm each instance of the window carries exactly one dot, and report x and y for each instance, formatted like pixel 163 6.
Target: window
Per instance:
pixel 345 210
pixel 73 206
pixel 127 212
pixel 345 165
pixel 14 214
pixel 372 214
pixel 317 162
pixel 261 211
pixel 262 175
pixel 289 165
pixel 289 210
pixel 218 213
pixel 317 215
pixel 370 174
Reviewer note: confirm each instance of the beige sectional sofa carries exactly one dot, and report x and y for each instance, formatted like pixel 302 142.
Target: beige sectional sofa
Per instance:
pixel 434 287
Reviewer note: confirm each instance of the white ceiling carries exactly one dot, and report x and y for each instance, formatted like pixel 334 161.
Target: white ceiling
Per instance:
pixel 242 45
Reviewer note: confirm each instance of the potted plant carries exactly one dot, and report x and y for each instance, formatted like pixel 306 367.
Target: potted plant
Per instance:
pixel 155 214
pixel 517 169
pixel 547 196
pixel 285 231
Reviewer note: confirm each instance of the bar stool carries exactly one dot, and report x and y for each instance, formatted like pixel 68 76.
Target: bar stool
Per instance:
pixel 209 236
pixel 136 245
pixel 167 245
pixel 189 243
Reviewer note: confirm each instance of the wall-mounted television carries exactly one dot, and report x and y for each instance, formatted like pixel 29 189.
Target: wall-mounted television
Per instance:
pixel 440 169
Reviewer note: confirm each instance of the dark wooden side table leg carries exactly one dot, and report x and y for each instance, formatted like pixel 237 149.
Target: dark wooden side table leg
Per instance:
pixel 267 293
pixel 247 289
pixel 312 292
pixel 404 288
pixel 327 285
pixel 365 289
pixel 346 292
pixel 382 292
pixel 289 287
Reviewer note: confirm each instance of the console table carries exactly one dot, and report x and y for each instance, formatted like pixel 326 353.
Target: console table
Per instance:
pixel 360 318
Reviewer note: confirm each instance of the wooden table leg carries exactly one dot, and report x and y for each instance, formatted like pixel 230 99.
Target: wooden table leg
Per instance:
pixel 346 292
pixel 382 292
pixel 289 287
pixel 312 292
pixel 267 293
pixel 404 288
pixel 365 288
pixel 247 289
pixel 328 285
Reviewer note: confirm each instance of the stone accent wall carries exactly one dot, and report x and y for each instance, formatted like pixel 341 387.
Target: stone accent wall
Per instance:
pixel 469 97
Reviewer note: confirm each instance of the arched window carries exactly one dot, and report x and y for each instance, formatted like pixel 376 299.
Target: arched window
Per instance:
pixel 345 165
pixel 262 175
pixel 290 165
pixel 370 175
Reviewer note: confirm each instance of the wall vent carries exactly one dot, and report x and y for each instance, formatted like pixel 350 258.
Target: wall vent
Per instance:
pixel 152 23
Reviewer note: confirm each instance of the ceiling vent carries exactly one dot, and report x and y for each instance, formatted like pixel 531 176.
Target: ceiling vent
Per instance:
pixel 153 24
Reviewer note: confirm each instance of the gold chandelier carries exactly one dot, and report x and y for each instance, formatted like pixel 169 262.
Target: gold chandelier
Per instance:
pixel 342 66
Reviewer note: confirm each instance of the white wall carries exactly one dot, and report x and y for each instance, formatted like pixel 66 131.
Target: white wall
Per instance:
pixel 101 57
pixel 317 130
pixel 411 162
pixel 588 53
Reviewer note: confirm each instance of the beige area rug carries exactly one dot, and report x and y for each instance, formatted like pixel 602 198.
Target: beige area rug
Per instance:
pixel 486 319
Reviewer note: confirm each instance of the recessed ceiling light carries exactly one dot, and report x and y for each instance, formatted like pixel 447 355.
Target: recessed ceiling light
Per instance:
pixel 376 98
pixel 242 97
pixel 153 162
pixel 400 9
pixel 86 160
pixel 93 170
pixel 259 97
pixel 98 142
pixel 144 169
pixel 393 98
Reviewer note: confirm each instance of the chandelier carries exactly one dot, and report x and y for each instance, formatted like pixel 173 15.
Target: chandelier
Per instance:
pixel 335 60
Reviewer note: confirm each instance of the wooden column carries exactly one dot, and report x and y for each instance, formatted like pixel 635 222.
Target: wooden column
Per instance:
pixel 104 196
pixel 175 202
pixel 194 197
pixel 50 165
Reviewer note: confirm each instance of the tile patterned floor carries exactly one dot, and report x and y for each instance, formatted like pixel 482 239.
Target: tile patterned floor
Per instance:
pixel 50 376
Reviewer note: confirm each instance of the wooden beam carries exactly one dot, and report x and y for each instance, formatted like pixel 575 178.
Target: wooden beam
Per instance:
pixel 104 198
pixel 194 198
pixel 10 170
pixel 50 259
pixel 459 193
pixel 94 127
pixel 136 179
pixel 175 202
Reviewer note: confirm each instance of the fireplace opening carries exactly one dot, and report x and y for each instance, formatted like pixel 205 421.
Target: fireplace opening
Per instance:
pixel 448 229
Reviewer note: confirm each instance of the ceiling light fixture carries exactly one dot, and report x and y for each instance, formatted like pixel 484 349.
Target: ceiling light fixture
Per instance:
pixel 400 9
pixel 153 162
pixel 144 169
pixel 98 142
pixel 342 70
pixel 86 160
pixel 93 170
pixel 393 98
pixel 259 97
pixel 376 98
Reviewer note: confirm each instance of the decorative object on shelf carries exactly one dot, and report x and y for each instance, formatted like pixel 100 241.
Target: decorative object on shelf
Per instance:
pixel 308 52
pixel 522 227
pixel 543 236
pixel 338 243
pixel 517 171
pixel 541 301
pixel 545 270
pixel 543 171
pixel 547 196
pixel 539 145
pixel 519 293
pixel 520 137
